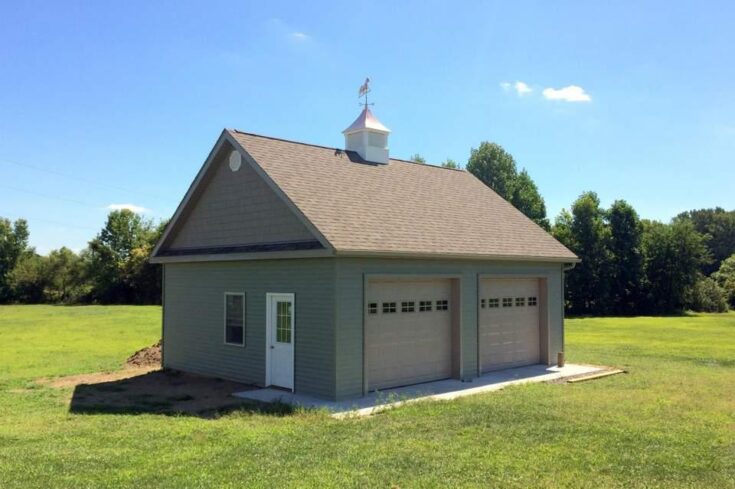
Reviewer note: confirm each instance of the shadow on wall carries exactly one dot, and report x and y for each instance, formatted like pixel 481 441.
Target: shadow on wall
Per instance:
pixel 169 392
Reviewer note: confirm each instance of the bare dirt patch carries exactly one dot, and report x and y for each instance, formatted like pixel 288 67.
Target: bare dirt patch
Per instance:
pixel 158 392
pixel 97 377
pixel 146 357
pixel 141 386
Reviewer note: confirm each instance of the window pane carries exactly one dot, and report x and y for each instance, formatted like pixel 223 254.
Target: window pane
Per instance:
pixel 234 335
pixel 234 319
pixel 283 322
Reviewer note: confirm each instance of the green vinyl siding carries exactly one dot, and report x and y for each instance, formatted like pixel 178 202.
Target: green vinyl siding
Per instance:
pixel 234 208
pixel 329 295
pixel 194 319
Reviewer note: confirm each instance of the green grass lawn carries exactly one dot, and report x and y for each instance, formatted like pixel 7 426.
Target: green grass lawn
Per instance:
pixel 670 422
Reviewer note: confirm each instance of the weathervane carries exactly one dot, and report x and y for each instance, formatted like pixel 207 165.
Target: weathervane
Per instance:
pixel 364 90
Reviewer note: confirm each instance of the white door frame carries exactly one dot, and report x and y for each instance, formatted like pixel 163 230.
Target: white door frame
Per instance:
pixel 269 324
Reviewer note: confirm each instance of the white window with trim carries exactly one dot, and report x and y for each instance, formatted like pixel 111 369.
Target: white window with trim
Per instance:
pixel 235 318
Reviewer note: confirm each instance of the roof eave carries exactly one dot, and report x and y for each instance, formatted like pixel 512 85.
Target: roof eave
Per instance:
pixel 455 256
pixel 277 255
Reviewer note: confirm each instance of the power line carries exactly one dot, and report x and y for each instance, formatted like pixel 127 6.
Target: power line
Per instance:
pixel 56 223
pixel 49 196
pixel 85 180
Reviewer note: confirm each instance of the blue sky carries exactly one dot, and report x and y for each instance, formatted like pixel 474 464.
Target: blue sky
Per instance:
pixel 105 103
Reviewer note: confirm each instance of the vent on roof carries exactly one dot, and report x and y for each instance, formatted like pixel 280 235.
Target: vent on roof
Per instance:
pixel 367 136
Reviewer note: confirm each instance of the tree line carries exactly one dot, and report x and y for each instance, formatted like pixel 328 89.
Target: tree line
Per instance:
pixel 629 265
pixel 112 269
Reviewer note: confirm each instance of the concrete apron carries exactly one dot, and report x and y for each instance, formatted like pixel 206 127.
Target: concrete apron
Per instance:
pixel 375 402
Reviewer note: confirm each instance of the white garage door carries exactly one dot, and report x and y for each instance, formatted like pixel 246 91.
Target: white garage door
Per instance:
pixel 509 323
pixel 408 332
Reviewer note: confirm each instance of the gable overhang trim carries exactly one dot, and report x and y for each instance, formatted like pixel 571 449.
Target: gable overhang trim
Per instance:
pixel 270 255
pixel 454 256
pixel 226 137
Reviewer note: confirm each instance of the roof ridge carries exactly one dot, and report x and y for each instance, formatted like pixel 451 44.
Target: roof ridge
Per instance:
pixel 398 160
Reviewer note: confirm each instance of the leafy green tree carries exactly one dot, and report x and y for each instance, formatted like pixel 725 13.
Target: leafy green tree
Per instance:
pixel 562 231
pixel 117 260
pixel 143 277
pixel 13 243
pixel 718 225
pixel 725 277
pixel 29 277
pixel 417 158
pixel 495 167
pixel 626 260
pixel 66 277
pixel 672 257
pixel 450 163
pixel 588 283
pixel 706 296
pixel 527 199
pixel 498 170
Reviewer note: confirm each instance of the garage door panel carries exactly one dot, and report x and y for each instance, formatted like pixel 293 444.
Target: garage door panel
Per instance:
pixel 407 347
pixel 509 323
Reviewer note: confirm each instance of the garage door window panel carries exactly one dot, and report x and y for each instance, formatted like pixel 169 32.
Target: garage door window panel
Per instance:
pixel 425 306
pixel 408 306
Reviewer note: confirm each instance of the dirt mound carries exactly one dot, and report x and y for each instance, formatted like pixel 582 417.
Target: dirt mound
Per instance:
pixel 146 357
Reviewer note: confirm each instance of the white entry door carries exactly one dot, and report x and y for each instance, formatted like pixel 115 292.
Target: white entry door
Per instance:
pixel 280 336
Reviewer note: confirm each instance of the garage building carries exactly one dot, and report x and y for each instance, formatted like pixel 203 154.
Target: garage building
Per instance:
pixel 336 272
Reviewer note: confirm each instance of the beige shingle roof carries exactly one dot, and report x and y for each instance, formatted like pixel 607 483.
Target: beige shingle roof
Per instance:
pixel 398 208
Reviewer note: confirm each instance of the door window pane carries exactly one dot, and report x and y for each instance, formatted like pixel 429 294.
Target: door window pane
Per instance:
pixel 283 322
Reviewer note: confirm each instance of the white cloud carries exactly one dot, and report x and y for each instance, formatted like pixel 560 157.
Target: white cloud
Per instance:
pixel 572 93
pixel 522 88
pixel 131 207
pixel 300 37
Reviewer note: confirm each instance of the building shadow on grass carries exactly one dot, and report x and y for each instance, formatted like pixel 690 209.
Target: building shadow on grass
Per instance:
pixel 169 392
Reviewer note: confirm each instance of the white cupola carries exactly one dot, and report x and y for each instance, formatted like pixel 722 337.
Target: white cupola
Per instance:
pixel 367 136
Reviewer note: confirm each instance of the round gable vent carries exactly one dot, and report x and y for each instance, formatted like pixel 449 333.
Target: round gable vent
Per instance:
pixel 235 160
